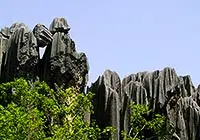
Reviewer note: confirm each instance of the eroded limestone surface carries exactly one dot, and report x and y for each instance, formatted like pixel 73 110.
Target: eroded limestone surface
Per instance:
pixel 61 63
pixel 164 91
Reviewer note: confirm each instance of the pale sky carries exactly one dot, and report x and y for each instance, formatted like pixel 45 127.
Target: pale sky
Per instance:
pixel 126 36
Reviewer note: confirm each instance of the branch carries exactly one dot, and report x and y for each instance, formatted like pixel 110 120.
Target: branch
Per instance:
pixel 139 132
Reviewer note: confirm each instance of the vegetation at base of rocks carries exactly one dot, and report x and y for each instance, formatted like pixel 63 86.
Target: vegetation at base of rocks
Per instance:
pixel 140 125
pixel 32 110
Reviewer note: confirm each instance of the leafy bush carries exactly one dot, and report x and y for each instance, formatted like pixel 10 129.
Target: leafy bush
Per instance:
pixel 140 124
pixel 32 110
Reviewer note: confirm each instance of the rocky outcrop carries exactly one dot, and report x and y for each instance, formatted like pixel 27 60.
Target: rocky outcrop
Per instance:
pixel 43 35
pixel 164 91
pixel 107 101
pixel 61 64
pixel 4 36
pixel 21 56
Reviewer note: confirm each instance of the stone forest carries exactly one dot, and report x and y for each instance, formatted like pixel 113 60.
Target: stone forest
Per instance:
pixel 163 91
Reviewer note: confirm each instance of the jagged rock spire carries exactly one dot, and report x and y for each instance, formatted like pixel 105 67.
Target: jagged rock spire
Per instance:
pixel 163 91
pixel 61 64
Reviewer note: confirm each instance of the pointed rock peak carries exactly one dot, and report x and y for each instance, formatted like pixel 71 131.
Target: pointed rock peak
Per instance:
pixel 109 79
pixel 5 32
pixel 112 80
pixel 168 69
pixel 59 25
pixel 110 75
pixel 187 79
pixel 168 72
pixel 16 26
pixel 43 35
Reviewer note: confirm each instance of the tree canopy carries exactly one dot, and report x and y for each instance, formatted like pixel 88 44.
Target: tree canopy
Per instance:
pixel 32 110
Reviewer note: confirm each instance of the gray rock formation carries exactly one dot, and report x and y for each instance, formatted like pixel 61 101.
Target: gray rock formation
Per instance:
pixel 4 36
pixel 22 55
pixel 59 25
pixel 159 89
pixel 164 91
pixel 107 101
pixel 43 35
pixel 61 64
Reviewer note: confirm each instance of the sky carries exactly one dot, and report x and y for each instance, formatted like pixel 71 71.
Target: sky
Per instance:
pixel 126 36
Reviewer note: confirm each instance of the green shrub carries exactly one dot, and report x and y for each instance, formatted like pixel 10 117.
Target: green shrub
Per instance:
pixel 32 110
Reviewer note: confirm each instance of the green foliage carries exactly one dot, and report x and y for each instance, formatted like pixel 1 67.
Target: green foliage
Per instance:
pixel 140 123
pixel 32 110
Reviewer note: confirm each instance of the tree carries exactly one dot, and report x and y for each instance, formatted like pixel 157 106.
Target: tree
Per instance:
pixel 32 110
pixel 140 124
